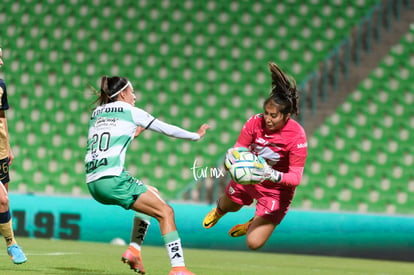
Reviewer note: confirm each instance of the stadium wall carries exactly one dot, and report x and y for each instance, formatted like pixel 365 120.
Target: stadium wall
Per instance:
pixel 303 232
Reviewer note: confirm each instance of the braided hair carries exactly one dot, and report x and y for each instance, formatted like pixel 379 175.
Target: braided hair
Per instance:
pixel 283 93
pixel 109 87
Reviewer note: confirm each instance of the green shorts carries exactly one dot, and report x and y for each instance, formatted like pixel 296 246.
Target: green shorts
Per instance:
pixel 122 190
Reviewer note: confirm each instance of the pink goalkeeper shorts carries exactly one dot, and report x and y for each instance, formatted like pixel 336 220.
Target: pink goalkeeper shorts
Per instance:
pixel 272 203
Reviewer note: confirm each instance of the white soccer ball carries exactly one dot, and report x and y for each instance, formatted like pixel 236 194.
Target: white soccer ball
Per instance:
pixel 241 168
pixel 118 241
pixel 233 155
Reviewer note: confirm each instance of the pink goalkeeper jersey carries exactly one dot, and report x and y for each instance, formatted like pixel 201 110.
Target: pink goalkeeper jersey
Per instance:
pixel 285 150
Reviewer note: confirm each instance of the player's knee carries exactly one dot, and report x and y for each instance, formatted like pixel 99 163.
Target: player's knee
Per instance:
pixel 254 244
pixel 4 203
pixel 167 212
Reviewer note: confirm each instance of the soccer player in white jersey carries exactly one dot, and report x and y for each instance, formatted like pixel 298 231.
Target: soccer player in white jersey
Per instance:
pixel 6 158
pixel 113 124
pixel 281 142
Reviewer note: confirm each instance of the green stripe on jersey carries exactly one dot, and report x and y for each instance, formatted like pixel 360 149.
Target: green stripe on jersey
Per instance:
pixel 111 130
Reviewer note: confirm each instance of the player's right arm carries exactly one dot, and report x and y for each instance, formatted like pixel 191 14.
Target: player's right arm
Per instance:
pixel 243 142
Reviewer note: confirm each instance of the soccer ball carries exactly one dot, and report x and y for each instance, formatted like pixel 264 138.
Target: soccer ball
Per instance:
pixel 118 241
pixel 241 167
pixel 233 155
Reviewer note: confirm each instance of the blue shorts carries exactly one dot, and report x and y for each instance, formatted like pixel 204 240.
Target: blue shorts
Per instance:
pixel 122 190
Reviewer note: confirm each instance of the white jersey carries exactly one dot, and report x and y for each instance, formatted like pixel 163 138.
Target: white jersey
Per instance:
pixel 111 129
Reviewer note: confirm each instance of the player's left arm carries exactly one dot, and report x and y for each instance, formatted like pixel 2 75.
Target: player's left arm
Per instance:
pixel 293 177
pixel 177 132
pixel 6 129
pixel 297 159
pixel 145 121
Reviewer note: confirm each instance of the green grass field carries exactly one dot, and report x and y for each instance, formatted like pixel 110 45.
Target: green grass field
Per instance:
pixel 69 257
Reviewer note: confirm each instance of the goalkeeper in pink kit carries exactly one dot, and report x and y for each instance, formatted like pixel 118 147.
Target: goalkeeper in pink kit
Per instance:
pixel 281 141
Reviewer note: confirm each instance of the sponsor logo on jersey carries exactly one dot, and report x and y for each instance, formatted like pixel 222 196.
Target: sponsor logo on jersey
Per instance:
pixel 105 121
pixel 95 164
pixel 261 141
pixel 302 145
pixel 107 110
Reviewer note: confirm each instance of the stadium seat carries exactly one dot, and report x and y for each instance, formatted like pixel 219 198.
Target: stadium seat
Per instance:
pixel 204 58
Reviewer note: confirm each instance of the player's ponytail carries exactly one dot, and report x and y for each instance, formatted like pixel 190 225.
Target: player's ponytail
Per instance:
pixel 110 87
pixel 283 92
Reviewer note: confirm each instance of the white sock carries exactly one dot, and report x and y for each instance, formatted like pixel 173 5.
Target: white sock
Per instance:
pixel 175 251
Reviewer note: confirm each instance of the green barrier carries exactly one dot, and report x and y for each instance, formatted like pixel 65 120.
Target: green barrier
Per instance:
pixel 67 218
pixel 305 232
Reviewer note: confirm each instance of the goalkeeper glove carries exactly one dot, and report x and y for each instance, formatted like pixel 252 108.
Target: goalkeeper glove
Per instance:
pixel 232 155
pixel 262 171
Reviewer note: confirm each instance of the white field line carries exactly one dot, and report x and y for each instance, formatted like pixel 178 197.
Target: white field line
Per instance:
pixel 51 253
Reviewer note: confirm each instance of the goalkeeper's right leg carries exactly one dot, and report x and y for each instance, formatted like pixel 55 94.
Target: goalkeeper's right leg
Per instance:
pixel 224 205
pixel 211 218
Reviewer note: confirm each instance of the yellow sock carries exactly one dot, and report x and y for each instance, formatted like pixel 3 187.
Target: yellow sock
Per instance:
pixel 6 229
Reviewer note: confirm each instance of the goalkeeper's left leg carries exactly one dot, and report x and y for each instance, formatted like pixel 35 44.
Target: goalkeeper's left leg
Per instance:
pixel 240 229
